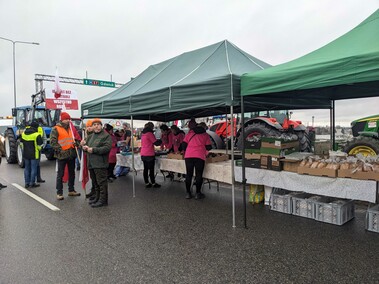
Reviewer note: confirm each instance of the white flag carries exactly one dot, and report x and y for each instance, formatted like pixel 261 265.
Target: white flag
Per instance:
pixel 57 88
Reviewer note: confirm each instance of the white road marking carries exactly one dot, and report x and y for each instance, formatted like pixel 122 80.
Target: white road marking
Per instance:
pixel 39 199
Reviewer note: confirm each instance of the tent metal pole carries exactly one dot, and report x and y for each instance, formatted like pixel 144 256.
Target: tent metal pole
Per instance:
pixel 243 161
pixel 133 168
pixel 227 124
pixel 331 127
pixel 232 152
pixel 334 125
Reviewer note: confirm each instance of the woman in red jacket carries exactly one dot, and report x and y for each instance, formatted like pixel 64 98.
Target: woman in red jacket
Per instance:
pixel 148 141
pixel 196 144
pixel 112 154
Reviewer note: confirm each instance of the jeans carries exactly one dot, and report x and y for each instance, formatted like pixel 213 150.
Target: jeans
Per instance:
pixel 71 174
pixel 30 171
pixel 199 165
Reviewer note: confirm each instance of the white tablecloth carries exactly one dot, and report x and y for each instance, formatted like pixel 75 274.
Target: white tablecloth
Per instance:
pixel 335 187
pixel 221 171
pixel 126 161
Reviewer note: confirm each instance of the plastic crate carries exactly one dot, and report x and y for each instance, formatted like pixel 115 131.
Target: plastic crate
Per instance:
pixel 372 219
pixel 302 205
pixel 280 201
pixel 334 211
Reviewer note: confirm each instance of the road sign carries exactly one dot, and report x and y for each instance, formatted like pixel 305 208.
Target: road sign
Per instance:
pixel 99 83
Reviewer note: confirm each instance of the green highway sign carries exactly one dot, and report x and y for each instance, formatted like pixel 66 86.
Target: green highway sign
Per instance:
pixel 99 83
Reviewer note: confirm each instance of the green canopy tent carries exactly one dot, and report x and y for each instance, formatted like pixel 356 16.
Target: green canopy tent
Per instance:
pixel 346 68
pixel 198 83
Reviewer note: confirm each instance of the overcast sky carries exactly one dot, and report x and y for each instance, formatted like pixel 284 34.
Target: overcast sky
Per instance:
pixel 121 38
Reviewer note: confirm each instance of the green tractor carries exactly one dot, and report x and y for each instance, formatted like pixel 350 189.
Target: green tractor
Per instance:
pixel 366 137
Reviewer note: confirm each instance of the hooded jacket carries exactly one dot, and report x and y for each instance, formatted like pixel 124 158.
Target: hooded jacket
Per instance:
pixel 31 143
pixel 198 142
pixel 148 141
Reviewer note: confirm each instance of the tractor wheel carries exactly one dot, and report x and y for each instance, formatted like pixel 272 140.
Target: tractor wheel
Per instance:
pixel 20 160
pixel 366 146
pixel 258 129
pixel 10 145
pixel 305 141
pixel 217 142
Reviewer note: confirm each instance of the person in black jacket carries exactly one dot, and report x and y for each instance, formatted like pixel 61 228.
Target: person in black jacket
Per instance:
pixel 31 143
pixel 2 185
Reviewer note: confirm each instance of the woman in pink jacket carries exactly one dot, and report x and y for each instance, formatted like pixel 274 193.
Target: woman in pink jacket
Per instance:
pixel 196 144
pixel 167 138
pixel 178 137
pixel 148 141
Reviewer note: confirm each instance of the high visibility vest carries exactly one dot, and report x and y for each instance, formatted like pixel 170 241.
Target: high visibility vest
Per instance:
pixel 33 137
pixel 65 138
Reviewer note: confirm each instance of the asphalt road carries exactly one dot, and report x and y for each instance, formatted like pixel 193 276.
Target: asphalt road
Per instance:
pixel 160 237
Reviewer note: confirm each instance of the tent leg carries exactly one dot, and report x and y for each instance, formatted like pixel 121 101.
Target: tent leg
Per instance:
pixel 334 126
pixel 133 168
pixel 232 154
pixel 243 162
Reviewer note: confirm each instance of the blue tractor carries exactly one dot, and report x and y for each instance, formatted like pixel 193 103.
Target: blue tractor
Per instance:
pixel 22 117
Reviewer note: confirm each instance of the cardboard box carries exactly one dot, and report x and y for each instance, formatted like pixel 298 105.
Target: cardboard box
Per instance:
pixel 255 163
pixel 275 164
pixel 322 148
pixel 324 172
pixel 249 156
pixel 252 144
pixel 264 162
pixel 290 165
pixel 271 163
pixel 175 156
pixel 277 144
pixel 249 163
pixel 217 158
pixel 358 175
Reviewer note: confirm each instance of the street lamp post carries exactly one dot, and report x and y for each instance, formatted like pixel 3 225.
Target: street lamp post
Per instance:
pixel 14 63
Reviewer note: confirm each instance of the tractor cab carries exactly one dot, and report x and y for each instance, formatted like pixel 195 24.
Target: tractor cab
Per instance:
pixel 366 137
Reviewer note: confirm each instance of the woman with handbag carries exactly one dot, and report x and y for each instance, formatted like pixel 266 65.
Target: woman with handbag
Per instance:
pixel 148 141
pixel 195 144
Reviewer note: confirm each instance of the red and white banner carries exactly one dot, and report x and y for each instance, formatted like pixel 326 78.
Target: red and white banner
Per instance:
pixel 67 99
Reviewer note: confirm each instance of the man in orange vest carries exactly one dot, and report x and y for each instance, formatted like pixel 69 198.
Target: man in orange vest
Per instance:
pixel 63 142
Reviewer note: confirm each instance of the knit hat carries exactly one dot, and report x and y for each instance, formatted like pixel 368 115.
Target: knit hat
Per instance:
pixel 34 124
pixel 96 120
pixel 108 127
pixel 65 115
pixel 192 123
pixel 89 123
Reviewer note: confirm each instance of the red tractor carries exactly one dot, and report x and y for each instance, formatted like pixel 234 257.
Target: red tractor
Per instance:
pixel 275 124
pixel 223 129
